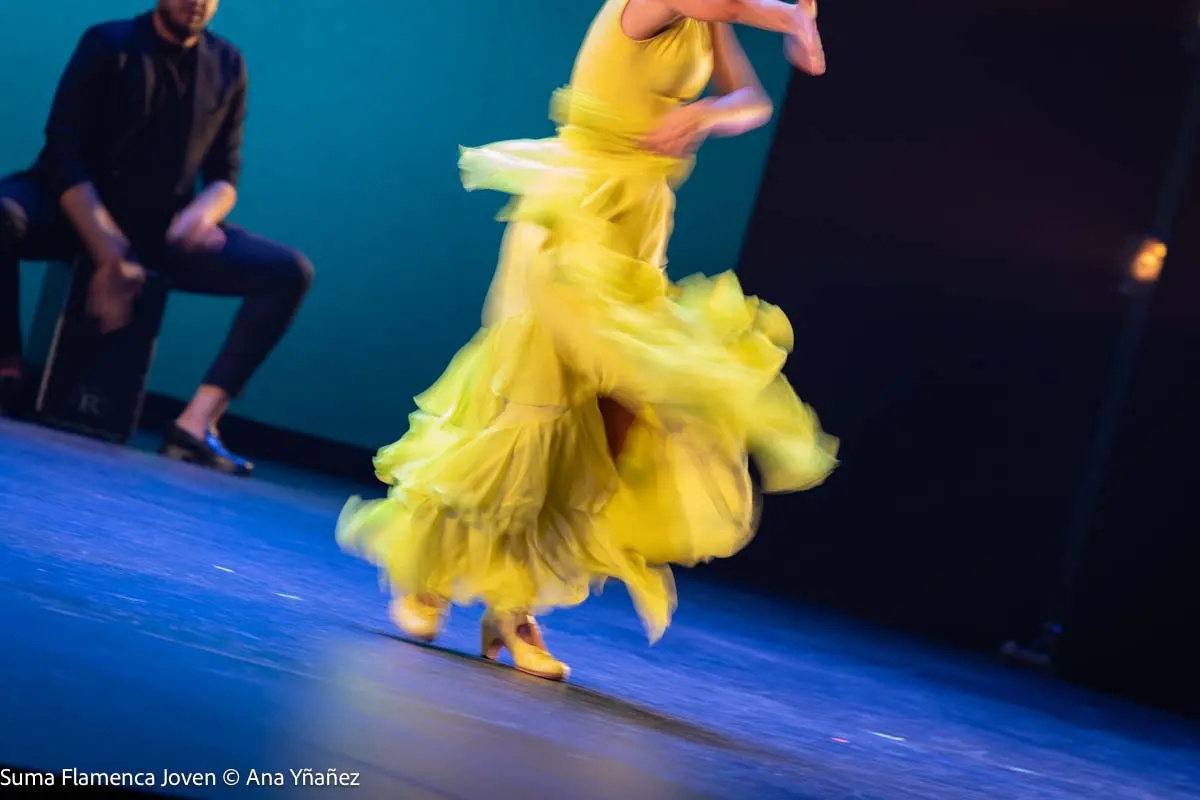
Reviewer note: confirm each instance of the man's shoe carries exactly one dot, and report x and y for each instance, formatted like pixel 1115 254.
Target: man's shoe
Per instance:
pixel 208 452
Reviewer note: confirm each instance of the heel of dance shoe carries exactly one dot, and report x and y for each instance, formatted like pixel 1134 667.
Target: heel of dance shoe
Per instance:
pixel 491 642
pixel 531 657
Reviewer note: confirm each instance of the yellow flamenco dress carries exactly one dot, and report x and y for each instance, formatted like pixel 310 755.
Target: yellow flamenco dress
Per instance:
pixel 503 490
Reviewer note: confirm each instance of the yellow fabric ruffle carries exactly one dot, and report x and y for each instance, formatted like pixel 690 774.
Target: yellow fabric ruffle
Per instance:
pixel 503 491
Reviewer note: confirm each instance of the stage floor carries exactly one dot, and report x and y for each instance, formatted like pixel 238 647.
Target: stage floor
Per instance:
pixel 156 617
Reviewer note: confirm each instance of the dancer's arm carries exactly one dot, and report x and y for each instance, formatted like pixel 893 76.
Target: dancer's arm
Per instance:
pixel 741 104
pixel 645 18
pixel 738 104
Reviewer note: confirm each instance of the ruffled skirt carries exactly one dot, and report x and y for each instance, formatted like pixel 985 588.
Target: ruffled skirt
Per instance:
pixel 503 490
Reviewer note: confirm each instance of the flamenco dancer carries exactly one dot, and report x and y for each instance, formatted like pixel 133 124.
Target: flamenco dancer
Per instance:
pixel 599 424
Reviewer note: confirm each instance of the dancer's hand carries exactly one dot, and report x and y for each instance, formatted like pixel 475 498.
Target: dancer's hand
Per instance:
pixel 802 46
pixel 681 132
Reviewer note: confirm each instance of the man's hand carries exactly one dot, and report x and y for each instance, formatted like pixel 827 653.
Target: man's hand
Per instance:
pixel 802 46
pixel 681 131
pixel 115 286
pixel 193 230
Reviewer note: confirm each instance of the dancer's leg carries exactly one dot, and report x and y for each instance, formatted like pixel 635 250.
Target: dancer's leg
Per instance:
pixel 617 422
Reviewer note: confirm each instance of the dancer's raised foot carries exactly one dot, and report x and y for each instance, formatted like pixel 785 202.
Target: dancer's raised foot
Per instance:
pixel 421 616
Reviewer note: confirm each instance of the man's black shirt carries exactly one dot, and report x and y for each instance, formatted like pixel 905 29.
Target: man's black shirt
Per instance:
pixel 144 120
pixel 152 166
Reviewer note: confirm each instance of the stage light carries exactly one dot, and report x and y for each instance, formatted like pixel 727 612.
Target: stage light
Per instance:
pixel 1147 262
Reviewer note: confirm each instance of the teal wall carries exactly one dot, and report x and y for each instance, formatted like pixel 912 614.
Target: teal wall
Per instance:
pixel 350 156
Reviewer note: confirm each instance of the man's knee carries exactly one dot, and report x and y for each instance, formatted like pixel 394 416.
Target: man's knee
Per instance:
pixel 296 269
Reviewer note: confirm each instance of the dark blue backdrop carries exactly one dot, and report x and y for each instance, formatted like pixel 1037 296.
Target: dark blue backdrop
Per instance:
pixel 942 216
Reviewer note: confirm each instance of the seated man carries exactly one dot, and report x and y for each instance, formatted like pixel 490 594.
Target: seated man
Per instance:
pixel 147 111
